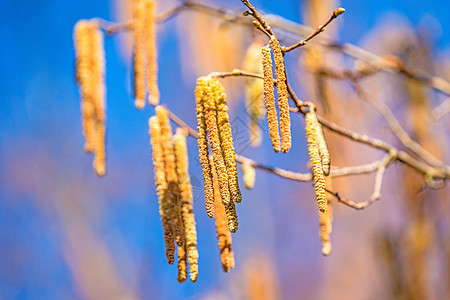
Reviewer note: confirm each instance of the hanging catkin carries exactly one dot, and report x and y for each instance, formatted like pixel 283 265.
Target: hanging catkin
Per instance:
pixel 325 223
pixel 223 232
pixel 269 100
pixel 319 179
pixel 161 186
pixel 179 143
pixel 249 175
pixel 254 92
pixel 203 145
pixel 173 190
pixel 139 53
pixel 226 139
pixel 151 51
pixel 285 119
pixel 215 143
pixel 323 150
pixel 90 72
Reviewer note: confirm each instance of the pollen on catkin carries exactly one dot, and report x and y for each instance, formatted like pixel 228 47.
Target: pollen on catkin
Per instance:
pixel 215 143
pixel 180 148
pixel 226 140
pixel 325 227
pixel 285 119
pixel 249 175
pixel 90 73
pixel 203 145
pixel 269 100
pixel 323 150
pixel 254 92
pixel 139 53
pixel 319 179
pixel 182 264
pixel 173 190
pixel 223 232
pixel 161 187
pixel 151 51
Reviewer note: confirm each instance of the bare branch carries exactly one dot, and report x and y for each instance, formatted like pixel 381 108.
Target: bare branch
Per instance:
pixel 441 110
pixel 337 12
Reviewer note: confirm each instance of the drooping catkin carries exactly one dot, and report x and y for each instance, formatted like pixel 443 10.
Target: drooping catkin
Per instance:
pixel 223 232
pixel 319 179
pixel 285 119
pixel 323 150
pixel 226 139
pixel 151 51
pixel 254 92
pixel 269 100
pixel 249 175
pixel 203 145
pixel 215 143
pixel 182 264
pixel 83 34
pixel 325 223
pixel 90 72
pixel 173 190
pixel 139 53
pixel 180 148
pixel 98 78
pixel 161 186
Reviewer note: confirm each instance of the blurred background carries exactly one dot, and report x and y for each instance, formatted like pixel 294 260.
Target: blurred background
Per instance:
pixel 67 234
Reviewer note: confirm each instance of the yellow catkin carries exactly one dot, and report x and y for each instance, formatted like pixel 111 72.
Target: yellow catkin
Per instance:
pixel 173 190
pixel 98 78
pixel 215 143
pixel 249 175
pixel 223 232
pixel 269 100
pixel 203 145
pixel 319 179
pixel 139 53
pixel 323 150
pixel 182 267
pixel 325 224
pixel 151 51
pixel 83 34
pixel 285 119
pixel 224 127
pixel 254 92
pixel 180 148
pixel 161 186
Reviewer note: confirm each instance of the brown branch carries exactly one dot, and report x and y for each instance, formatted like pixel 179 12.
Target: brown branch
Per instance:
pixel 337 12
pixel 396 128
pixel 254 13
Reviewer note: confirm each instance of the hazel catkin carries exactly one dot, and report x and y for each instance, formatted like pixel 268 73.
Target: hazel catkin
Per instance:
pixel 319 179
pixel 180 148
pixel 151 51
pixel 203 145
pixel 249 175
pixel 139 53
pixel 269 100
pixel 161 186
pixel 285 119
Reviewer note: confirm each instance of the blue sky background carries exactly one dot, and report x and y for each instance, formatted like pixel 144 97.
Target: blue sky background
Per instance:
pixel 42 159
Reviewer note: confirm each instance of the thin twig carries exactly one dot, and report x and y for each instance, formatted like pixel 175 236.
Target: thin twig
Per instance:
pixel 337 12
pixel 441 110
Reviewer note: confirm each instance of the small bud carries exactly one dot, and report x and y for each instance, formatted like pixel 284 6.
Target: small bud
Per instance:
pixel 338 11
pixel 246 13
pixel 256 24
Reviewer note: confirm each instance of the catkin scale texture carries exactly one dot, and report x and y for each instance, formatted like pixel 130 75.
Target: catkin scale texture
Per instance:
pixel 285 119
pixel 180 148
pixel 269 100
pixel 151 51
pixel 319 179
pixel 139 54
pixel 161 187
pixel 203 145
pixel 226 139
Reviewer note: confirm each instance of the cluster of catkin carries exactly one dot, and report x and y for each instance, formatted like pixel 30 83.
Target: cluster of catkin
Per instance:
pixel 214 130
pixel 145 53
pixel 90 74
pixel 269 97
pixel 174 191
pixel 319 155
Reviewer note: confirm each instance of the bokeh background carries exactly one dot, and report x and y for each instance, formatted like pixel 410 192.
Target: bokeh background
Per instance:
pixel 66 234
